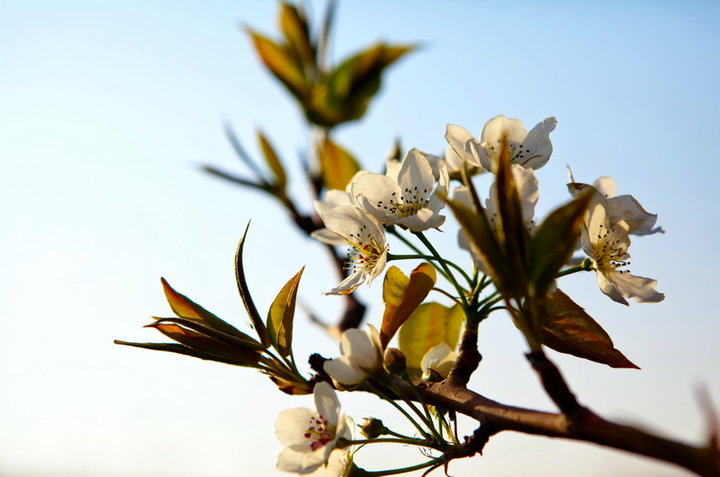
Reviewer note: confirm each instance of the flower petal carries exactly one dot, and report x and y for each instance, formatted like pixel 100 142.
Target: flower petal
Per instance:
pixel 297 462
pixel 326 402
pixel 537 142
pixel 354 280
pixel 641 289
pixel 343 372
pixel 292 424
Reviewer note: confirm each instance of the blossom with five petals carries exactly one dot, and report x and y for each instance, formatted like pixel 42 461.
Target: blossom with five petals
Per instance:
pixel 406 196
pixel 361 356
pixel 531 149
pixel 606 243
pixel 347 224
pixel 309 436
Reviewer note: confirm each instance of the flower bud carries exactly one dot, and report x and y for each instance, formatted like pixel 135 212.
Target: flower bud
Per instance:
pixel 372 428
pixel 395 361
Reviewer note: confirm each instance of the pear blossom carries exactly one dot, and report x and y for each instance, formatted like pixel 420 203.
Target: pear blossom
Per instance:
pixel 606 243
pixel 347 224
pixel 531 149
pixel 361 355
pixel 440 359
pixel 406 196
pixel 309 436
pixel 622 207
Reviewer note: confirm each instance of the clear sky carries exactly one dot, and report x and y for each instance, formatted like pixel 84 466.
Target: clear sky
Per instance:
pixel 107 109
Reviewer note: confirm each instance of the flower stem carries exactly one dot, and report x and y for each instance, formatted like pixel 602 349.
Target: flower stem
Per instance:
pixel 428 257
pixel 430 463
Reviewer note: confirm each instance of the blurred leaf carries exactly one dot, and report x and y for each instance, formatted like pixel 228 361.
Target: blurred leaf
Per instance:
pixel 483 241
pixel 429 325
pixel 293 24
pixel 553 243
pixel 272 160
pixel 402 295
pixel 347 90
pixel 567 328
pixel 184 307
pixel 245 293
pixel 337 164
pixel 293 387
pixel 281 314
pixel 512 233
pixel 280 63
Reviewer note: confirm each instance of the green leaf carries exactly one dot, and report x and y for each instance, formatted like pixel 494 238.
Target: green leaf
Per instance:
pixel 337 164
pixel 402 295
pixel 281 314
pixel 280 63
pixel 554 242
pixel 567 328
pixel 252 312
pixel 429 325
pixel 272 160
pixel 184 307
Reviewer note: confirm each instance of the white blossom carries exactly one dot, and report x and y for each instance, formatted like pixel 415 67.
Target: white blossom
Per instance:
pixel 361 356
pixel 440 359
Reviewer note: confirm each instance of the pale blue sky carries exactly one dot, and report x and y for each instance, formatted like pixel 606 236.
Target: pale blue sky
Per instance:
pixel 107 109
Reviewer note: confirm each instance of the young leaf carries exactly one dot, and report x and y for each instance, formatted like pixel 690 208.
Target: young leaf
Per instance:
pixel 337 164
pixel 567 328
pixel 252 312
pixel 180 349
pixel 184 307
pixel 242 340
pixel 429 325
pixel 272 160
pixel 280 64
pixel 402 295
pixel 554 242
pixel 294 26
pixel 205 344
pixel 485 245
pixel 281 314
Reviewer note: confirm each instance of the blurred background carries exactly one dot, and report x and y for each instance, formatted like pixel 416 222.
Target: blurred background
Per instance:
pixel 109 109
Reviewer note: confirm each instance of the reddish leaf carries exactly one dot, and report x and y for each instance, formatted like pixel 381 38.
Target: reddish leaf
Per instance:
pixel 567 328
pixel 402 295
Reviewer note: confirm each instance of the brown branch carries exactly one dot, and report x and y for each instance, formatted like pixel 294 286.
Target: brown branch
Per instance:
pixel 585 426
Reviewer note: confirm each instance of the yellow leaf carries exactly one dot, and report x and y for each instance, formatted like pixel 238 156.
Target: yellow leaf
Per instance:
pixel 272 160
pixel 280 64
pixel 337 164
pixel 429 325
pixel 281 314
pixel 402 295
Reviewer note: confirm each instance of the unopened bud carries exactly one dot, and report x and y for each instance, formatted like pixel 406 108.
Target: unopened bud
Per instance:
pixel 395 361
pixel 372 428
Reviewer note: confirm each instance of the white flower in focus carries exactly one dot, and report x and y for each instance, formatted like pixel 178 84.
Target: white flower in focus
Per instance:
pixel 309 436
pixel 406 196
pixel 531 149
pixel 361 355
pixel 339 465
pixel 606 243
pixel 346 224
pixel 440 359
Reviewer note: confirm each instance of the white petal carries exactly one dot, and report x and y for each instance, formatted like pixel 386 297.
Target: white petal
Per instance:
pixel 333 198
pixel 297 462
pixel 327 236
pixel 606 186
pixel 416 174
pixel 337 466
pixel 343 372
pixel 627 208
pixel 354 280
pixel 440 359
pixel 374 192
pixel 527 186
pixel 358 346
pixel 292 424
pixel 326 402
pixel 499 126
pixel 422 220
pixel 641 289
pixel 379 267
pixel 608 287
pixel 538 144
pixel 458 137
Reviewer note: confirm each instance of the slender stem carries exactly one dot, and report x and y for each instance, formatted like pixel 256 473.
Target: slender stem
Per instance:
pixel 397 406
pixel 430 463
pixel 440 290
pixel 387 440
pixel 578 268
pixel 448 274
pixel 415 249
pixel 428 257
